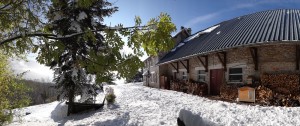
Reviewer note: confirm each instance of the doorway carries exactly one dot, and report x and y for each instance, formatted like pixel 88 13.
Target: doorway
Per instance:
pixel 216 79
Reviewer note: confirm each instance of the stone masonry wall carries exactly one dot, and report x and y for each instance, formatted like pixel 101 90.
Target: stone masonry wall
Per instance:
pixel 272 58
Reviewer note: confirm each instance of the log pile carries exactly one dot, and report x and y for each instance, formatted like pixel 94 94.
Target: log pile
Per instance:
pixel 197 88
pixel 279 90
pixel 282 83
pixel 176 85
pixel 263 95
pixel 229 92
pixel 285 100
pixel 190 87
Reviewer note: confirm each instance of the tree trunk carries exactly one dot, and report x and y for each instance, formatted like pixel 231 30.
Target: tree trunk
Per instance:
pixel 71 100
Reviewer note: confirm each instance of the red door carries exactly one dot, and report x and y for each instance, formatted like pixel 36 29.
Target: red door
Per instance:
pixel 216 79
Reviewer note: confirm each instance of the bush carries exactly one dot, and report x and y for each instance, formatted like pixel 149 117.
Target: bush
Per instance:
pixel 110 95
pixel 110 98
pixel 13 94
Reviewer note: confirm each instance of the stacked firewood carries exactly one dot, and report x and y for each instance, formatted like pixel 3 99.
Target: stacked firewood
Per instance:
pixel 202 89
pixel 282 83
pixel 264 95
pixel 286 100
pixel 279 89
pixel 267 96
pixel 229 92
pixel 190 87
pixel 197 88
pixel 175 85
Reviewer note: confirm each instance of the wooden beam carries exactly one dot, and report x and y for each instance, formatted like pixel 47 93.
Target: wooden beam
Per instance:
pixel 186 66
pixel 177 64
pixel 204 63
pixel 223 60
pixel 297 56
pixel 175 67
pixel 182 64
pixel 254 55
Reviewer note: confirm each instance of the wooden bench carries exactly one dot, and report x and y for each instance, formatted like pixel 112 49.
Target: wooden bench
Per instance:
pixel 80 107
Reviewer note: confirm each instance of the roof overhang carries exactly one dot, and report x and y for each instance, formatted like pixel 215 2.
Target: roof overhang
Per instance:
pixel 284 42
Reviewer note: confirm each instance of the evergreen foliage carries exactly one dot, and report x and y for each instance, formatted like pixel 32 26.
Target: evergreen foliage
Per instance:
pixel 72 39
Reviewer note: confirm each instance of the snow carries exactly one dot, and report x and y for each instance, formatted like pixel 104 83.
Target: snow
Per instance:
pixel 82 15
pixel 208 30
pixel 191 119
pixel 94 22
pixel 143 106
pixel 74 74
pixel 57 16
pixel 62 78
pixel 115 27
pixel 178 46
pixel 84 95
pixel 109 90
pixel 75 26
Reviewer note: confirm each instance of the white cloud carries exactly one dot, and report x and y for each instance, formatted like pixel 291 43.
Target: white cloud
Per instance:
pixel 213 15
pixel 34 70
pixel 202 18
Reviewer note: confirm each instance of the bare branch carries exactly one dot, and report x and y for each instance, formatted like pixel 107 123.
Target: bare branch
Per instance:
pixel 6 5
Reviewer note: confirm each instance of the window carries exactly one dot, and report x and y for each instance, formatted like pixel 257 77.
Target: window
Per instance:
pixel 153 78
pixel 201 75
pixel 235 75
pixel 184 75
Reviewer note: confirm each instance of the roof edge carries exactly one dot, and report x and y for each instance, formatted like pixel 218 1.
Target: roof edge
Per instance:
pixel 226 49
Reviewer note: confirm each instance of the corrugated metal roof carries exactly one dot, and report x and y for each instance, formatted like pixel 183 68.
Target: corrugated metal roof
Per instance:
pixel 258 28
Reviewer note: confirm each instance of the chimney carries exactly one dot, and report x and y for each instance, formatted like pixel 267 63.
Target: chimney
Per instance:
pixel 182 28
pixel 189 31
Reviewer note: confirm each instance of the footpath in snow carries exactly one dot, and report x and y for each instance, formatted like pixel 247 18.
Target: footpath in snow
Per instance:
pixel 137 105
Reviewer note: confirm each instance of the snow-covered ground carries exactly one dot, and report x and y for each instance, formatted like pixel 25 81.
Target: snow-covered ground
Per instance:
pixel 142 106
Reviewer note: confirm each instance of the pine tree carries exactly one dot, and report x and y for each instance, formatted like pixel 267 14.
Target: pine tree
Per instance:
pixel 73 59
pixel 81 50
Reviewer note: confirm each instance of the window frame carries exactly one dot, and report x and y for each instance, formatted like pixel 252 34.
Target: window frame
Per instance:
pixel 201 74
pixel 184 76
pixel 241 74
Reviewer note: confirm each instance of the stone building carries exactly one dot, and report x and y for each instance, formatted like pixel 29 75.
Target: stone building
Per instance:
pixel 235 50
pixel 151 75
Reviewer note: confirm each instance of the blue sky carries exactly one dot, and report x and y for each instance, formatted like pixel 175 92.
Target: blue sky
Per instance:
pixel 196 14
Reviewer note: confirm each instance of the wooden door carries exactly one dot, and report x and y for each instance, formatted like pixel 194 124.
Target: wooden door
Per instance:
pixel 162 82
pixel 216 78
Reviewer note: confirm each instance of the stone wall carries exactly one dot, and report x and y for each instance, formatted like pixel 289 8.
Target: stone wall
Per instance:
pixel 277 58
pixel 272 59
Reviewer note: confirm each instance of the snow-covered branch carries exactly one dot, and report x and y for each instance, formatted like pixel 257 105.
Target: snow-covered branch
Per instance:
pixel 53 36
pixel 26 35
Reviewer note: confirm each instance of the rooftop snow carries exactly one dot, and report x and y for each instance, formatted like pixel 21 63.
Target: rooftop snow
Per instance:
pixel 208 30
pixel 179 45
